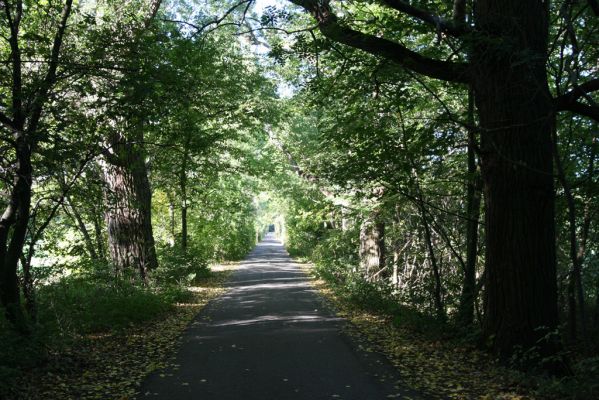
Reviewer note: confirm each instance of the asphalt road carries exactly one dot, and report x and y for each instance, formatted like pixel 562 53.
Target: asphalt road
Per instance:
pixel 271 337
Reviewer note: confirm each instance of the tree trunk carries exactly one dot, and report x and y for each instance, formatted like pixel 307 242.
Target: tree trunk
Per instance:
pixel 171 222
pixel 372 248
pixel 15 218
pixel 99 237
pixel 436 274
pixel 24 123
pixel 473 198
pixel 183 190
pixel 184 226
pixel 74 213
pixel 596 318
pixel 516 117
pixel 128 215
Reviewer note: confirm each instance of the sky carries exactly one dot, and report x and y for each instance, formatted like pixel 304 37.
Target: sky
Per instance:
pixel 262 4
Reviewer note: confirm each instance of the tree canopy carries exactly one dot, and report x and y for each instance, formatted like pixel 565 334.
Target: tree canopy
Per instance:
pixel 432 158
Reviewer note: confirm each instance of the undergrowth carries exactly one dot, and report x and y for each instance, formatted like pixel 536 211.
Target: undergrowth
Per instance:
pixel 92 302
pixel 439 358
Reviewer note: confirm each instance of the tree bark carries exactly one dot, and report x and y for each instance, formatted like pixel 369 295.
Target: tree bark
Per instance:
pixel 473 198
pixel 372 248
pixel 15 218
pixel 516 117
pixel 128 214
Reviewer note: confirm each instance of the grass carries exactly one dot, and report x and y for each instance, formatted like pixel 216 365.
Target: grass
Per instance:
pixel 100 337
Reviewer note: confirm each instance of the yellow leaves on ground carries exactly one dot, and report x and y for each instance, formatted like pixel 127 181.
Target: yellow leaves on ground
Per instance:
pixel 112 366
pixel 437 369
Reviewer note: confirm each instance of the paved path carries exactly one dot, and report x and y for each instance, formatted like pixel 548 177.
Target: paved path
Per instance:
pixel 270 337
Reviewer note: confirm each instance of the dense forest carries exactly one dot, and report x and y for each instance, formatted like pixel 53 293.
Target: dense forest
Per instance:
pixel 435 161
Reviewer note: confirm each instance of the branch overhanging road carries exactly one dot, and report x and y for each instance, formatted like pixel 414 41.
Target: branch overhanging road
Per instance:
pixel 271 337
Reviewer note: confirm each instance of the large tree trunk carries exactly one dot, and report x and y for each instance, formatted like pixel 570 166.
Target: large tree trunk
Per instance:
pixel 128 215
pixel 372 248
pixel 516 118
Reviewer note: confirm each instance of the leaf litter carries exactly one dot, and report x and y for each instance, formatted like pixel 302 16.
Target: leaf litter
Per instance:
pixel 113 365
pixel 439 370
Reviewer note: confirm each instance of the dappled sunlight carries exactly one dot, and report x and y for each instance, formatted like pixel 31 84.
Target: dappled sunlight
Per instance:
pixel 265 319
pixel 269 277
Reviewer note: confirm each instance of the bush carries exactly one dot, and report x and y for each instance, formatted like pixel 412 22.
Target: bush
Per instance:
pixel 177 267
pixel 80 305
pixel 75 306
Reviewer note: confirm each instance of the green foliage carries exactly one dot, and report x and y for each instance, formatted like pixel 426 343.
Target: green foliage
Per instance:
pixel 77 306
pixel 82 305
pixel 581 384
pixel 179 267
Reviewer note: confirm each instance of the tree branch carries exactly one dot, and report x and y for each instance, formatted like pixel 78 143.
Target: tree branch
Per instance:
pixel 15 57
pixel 50 78
pixel 6 121
pixel 569 101
pixel 450 27
pixel 579 91
pixel 330 28
pixel 580 109
pixel 217 21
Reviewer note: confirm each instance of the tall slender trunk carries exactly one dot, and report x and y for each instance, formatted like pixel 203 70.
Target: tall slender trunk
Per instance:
pixel 577 248
pixel 128 215
pixel 574 277
pixel 171 217
pixel 184 226
pixel 473 199
pixel 99 236
pixel 435 272
pixel 372 248
pixel 15 220
pixel 87 239
pixel 516 117
pixel 183 190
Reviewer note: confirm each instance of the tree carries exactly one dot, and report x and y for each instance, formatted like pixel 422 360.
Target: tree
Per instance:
pixel 21 119
pixel 126 93
pixel 507 50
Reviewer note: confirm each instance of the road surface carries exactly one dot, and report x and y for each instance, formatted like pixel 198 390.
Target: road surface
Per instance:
pixel 271 337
